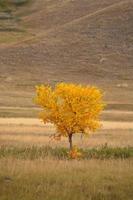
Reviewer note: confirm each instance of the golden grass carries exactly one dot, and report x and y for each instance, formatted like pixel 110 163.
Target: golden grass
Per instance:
pixel 29 166
pixel 36 135
pixel 60 179
pixel 66 180
pixel 7 38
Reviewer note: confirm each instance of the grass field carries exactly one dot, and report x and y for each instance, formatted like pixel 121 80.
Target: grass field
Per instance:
pixel 66 180
pixel 87 42
pixel 35 167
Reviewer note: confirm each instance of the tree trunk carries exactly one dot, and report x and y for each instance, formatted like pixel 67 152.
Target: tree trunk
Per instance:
pixel 70 141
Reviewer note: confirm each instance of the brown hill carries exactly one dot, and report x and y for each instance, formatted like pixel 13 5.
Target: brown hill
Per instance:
pixel 71 40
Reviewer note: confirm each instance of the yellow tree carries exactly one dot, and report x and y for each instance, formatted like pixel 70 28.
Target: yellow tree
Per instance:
pixel 71 108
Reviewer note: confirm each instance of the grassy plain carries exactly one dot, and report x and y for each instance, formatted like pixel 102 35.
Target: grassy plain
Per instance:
pixel 35 167
pixel 53 179
pixel 51 41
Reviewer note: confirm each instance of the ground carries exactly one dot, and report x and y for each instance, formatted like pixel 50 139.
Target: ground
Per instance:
pixel 27 173
pixel 86 42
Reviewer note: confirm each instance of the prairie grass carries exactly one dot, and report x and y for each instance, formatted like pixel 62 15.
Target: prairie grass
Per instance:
pixel 32 112
pixel 53 179
pixel 34 152
pixel 34 167
pixel 6 112
pixel 12 36
pixel 22 136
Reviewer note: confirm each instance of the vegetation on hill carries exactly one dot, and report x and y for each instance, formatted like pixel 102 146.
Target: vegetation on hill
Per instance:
pixel 71 41
pixel 5 3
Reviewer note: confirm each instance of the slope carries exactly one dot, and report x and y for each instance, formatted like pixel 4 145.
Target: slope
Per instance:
pixel 88 42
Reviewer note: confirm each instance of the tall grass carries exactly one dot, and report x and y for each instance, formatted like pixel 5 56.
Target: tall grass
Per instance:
pixel 35 152
pixel 32 168
pixel 66 180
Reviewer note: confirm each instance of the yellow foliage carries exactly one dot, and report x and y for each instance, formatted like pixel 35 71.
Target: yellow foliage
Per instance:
pixel 74 153
pixel 72 108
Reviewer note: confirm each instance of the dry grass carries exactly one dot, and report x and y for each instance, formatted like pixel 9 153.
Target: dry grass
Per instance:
pixel 50 177
pixel 77 41
pixel 36 135
pixel 7 38
pixel 53 179
pixel 119 113
pixel 86 42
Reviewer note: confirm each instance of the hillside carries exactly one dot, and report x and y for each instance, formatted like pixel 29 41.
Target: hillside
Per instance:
pixel 84 41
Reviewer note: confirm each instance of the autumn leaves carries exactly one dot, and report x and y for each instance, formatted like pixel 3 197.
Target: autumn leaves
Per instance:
pixel 72 108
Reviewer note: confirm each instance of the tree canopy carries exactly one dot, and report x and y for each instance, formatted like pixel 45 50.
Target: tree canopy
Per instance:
pixel 72 108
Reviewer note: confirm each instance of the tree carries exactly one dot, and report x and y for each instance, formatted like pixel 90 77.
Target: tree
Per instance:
pixel 72 108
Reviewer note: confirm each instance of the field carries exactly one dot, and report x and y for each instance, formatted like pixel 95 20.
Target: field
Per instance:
pixel 85 42
pixel 34 166
pixel 57 179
